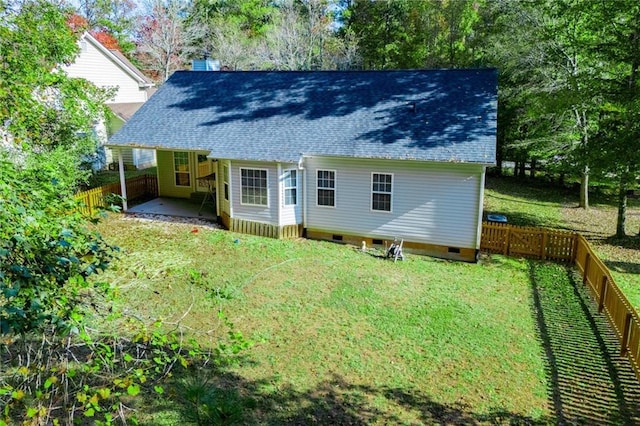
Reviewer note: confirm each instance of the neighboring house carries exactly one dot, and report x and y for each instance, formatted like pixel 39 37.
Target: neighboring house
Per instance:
pixel 345 156
pixel 110 68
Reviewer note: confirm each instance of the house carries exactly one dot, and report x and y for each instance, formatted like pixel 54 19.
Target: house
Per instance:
pixel 110 68
pixel 344 156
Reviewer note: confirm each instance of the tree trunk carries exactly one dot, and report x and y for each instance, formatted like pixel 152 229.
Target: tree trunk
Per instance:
pixel 584 189
pixel 532 171
pixel 622 209
pixel 521 171
pixel 581 123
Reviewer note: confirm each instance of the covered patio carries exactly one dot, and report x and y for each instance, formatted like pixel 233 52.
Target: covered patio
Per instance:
pixel 176 207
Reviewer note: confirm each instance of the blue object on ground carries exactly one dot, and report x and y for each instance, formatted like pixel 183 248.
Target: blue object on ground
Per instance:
pixel 497 218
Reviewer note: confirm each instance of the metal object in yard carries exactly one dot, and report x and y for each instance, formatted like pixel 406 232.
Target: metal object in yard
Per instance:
pixel 395 250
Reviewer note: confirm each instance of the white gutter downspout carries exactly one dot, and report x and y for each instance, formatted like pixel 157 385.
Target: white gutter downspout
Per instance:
pixel 123 181
pixel 304 191
pixel 279 197
pixel 229 179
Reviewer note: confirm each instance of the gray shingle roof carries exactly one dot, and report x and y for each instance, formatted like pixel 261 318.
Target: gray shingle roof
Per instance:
pixel 435 115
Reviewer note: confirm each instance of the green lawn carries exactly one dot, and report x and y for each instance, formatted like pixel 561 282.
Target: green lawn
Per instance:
pixel 536 203
pixel 345 337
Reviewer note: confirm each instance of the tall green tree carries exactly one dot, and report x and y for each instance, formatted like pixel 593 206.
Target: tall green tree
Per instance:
pixel 616 25
pixel 414 33
pixel 543 49
pixel 46 123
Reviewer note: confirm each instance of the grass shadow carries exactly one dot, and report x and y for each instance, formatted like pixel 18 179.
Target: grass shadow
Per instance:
pixel 623 267
pixel 588 382
pixel 629 242
pixel 526 219
pixel 629 263
pixel 338 402
pixel 533 190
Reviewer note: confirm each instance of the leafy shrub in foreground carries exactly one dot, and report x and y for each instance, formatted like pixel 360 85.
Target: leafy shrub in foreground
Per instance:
pixel 107 378
pixel 47 249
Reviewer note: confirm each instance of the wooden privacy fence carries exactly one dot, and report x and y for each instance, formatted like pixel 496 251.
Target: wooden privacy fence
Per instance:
pixel 538 243
pixel 568 247
pixel 610 299
pixel 140 186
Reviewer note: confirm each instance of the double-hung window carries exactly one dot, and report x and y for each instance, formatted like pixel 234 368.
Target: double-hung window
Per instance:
pixel 326 188
pixel 225 179
pixel 181 168
pixel 290 178
pixel 253 183
pixel 381 189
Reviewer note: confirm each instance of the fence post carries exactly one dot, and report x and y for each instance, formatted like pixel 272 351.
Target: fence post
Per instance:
pixel 507 241
pixel 625 334
pixel 90 202
pixel 587 262
pixel 603 293
pixel 545 241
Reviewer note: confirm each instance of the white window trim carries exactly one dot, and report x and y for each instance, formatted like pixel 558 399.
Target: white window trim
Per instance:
pixel 175 171
pixel 381 192
pixel 240 169
pixel 335 188
pixel 285 187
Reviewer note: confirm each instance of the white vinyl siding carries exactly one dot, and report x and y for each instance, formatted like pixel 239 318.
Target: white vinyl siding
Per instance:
pixel 127 155
pixel 381 191
pixel 326 188
pixel 92 64
pixel 257 213
pixel 432 203
pixel 143 158
pixel 253 187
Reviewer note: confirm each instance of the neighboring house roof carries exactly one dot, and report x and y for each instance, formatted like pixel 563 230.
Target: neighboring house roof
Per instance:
pixel 434 115
pixel 125 111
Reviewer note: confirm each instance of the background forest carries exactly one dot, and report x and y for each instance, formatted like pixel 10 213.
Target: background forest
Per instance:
pixel 568 69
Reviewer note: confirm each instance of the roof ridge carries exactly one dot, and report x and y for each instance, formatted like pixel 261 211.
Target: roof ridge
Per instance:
pixel 448 70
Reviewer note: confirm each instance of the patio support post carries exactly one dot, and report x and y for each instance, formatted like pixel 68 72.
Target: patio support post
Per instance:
pixel 123 181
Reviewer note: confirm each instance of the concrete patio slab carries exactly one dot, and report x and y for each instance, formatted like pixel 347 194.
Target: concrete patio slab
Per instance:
pixel 176 207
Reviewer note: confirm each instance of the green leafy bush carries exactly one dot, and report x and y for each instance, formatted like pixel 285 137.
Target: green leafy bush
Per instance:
pixel 47 249
pixel 103 378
